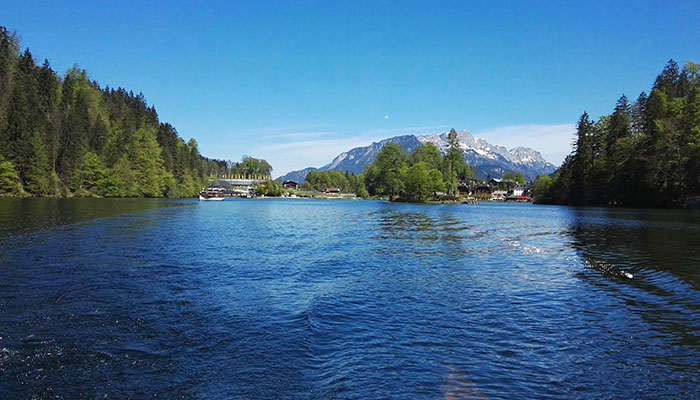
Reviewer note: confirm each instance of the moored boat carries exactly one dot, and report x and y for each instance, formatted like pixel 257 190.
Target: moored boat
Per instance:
pixel 206 197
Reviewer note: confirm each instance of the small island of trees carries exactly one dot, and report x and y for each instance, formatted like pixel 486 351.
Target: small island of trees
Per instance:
pixel 398 176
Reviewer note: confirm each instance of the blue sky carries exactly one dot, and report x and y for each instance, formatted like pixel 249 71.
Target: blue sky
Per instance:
pixel 299 82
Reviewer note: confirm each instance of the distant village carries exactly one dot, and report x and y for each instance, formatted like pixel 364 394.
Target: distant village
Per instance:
pixel 470 190
pixel 496 189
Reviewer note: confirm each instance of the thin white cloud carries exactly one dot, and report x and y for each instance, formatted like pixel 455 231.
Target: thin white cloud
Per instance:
pixel 294 149
pixel 552 141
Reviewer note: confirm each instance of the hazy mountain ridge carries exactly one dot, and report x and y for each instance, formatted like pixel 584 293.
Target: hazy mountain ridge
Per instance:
pixel 485 158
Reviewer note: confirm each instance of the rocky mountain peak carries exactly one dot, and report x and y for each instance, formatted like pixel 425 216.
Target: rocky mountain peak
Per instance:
pixel 485 158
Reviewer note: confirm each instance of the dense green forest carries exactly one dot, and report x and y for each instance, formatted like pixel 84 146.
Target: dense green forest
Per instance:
pixel 644 154
pixel 67 136
pixel 399 176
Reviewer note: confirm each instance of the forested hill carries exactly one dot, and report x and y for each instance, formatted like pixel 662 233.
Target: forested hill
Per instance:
pixel 64 136
pixel 644 154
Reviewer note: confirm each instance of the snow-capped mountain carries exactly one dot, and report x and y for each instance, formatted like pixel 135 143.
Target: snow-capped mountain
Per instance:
pixel 355 160
pixel 485 158
pixel 488 159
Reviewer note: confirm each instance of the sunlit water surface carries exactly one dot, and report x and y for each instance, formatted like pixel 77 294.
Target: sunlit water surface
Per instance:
pixel 346 299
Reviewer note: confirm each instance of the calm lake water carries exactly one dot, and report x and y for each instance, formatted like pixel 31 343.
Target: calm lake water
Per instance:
pixel 346 299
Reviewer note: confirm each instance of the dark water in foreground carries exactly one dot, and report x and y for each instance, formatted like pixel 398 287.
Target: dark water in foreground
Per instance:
pixel 346 299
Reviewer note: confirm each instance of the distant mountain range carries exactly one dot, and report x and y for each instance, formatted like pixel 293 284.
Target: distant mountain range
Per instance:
pixel 485 158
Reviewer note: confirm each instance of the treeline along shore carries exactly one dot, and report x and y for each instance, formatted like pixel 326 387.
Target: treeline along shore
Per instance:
pixel 645 154
pixel 68 136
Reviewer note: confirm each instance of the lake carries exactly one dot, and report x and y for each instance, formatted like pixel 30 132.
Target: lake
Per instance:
pixel 313 299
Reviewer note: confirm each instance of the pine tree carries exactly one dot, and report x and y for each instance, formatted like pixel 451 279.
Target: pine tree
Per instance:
pixel 58 134
pixel 582 163
pixel 89 178
pixel 22 115
pixel 9 53
pixel 9 179
pixel 619 155
pixel 453 162
pixel 98 136
pixel 74 137
pixel 38 174
pixel 620 123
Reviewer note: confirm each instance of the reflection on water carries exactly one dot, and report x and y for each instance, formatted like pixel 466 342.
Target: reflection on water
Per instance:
pixel 348 299
pixel 457 386
pixel 18 216
pixel 659 249
pixel 660 240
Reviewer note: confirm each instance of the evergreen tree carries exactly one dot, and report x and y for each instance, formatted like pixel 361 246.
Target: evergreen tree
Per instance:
pixel 620 123
pixel 452 162
pixel 582 161
pixel 644 154
pixel 22 114
pixel 39 170
pixel 76 127
pixel 667 81
pixel 9 53
pixel 619 154
pixel 90 177
pixel 98 137
pixel 637 113
pixel 9 178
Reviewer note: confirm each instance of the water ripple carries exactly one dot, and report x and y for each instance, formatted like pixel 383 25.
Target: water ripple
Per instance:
pixel 304 299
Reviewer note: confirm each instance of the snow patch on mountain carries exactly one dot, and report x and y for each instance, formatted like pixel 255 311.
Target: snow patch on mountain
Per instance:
pixel 485 158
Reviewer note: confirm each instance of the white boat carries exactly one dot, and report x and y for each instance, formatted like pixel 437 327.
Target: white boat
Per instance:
pixel 210 198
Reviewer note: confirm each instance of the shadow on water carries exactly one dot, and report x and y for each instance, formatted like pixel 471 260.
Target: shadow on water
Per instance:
pixel 651 261
pixel 22 216
pixel 634 240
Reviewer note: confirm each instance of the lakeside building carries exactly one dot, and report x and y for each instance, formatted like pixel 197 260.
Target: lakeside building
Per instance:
pixel 290 185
